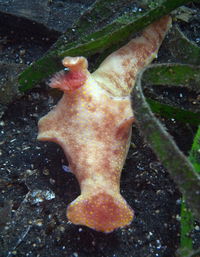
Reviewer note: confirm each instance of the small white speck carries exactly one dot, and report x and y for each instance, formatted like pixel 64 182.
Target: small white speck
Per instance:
pixel 38 196
pixel 66 168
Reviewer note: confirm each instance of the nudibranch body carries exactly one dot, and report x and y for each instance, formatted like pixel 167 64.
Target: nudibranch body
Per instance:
pixel 92 123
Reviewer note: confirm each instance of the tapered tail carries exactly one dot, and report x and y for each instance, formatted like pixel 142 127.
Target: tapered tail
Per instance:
pixel 101 211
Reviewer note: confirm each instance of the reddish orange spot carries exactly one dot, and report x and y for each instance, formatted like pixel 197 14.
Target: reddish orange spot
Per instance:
pixel 117 152
pixel 124 129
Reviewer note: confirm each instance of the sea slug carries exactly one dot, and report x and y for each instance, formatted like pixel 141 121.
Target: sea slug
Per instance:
pixel 92 123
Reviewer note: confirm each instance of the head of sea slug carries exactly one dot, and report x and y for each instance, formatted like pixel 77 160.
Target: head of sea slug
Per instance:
pixel 73 77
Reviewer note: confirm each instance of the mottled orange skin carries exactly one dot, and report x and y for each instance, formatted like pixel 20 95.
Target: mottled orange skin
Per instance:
pixel 92 123
pixel 93 128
